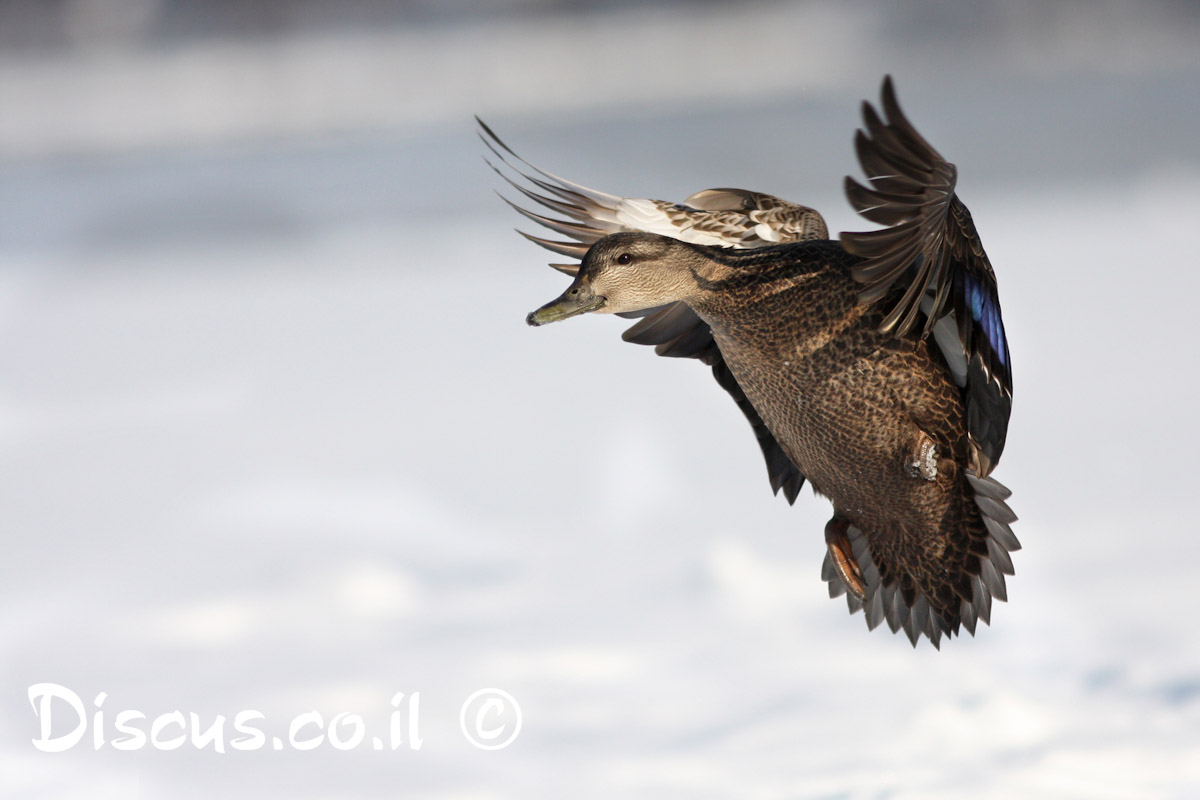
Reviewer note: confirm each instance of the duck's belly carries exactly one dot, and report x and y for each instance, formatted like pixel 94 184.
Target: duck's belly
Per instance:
pixel 852 416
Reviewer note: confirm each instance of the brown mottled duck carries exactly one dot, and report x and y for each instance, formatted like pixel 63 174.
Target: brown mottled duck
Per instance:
pixel 874 367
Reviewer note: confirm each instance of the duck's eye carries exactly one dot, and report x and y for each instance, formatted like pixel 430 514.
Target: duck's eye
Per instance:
pixel 624 258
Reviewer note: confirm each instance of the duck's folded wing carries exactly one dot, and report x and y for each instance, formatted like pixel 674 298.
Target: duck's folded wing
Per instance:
pixel 931 256
pixel 676 331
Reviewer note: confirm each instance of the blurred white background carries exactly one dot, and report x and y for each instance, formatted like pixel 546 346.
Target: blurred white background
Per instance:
pixel 274 434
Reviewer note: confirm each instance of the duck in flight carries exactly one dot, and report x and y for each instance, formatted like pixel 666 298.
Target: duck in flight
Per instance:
pixel 874 367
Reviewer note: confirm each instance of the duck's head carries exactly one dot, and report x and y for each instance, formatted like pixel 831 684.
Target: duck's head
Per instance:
pixel 625 272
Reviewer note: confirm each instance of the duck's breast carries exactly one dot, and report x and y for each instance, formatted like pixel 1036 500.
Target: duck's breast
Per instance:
pixel 848 404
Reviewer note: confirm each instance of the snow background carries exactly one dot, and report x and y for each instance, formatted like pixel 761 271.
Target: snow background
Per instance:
pixel 274 434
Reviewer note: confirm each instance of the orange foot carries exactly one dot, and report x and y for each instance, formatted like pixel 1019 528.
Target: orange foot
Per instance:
pixel 843 558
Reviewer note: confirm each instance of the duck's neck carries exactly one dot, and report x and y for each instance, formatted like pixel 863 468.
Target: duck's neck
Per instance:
pixel 733 279
pixel 792 294
pixel 727 270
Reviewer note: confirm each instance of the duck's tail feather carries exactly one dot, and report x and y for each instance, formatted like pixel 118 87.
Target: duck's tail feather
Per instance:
pixel 957 592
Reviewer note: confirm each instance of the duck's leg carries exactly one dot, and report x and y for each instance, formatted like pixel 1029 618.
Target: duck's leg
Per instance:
pixel 838 542
pixel 923 460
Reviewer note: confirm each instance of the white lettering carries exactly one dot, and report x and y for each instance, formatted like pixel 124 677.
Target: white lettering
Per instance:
pixel 163 721
pixel 307 718
pixel 256 739
pixel 496 704
pixel 98 721
pixel 214 734
pixel 352 720
pixel 414 714
pixel 46 692
pixel 135 738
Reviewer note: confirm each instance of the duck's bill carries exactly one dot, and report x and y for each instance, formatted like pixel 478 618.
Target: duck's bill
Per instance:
pixel 576 300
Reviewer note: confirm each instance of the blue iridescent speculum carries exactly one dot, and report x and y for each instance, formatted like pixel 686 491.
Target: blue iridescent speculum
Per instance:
pixel 984 310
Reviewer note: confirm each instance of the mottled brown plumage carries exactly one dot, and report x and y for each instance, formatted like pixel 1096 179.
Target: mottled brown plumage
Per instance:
pixel 897 423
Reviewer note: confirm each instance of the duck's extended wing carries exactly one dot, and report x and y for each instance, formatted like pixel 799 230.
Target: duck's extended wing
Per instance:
pixel 931 249
pixel 720 217
pixel 725 217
